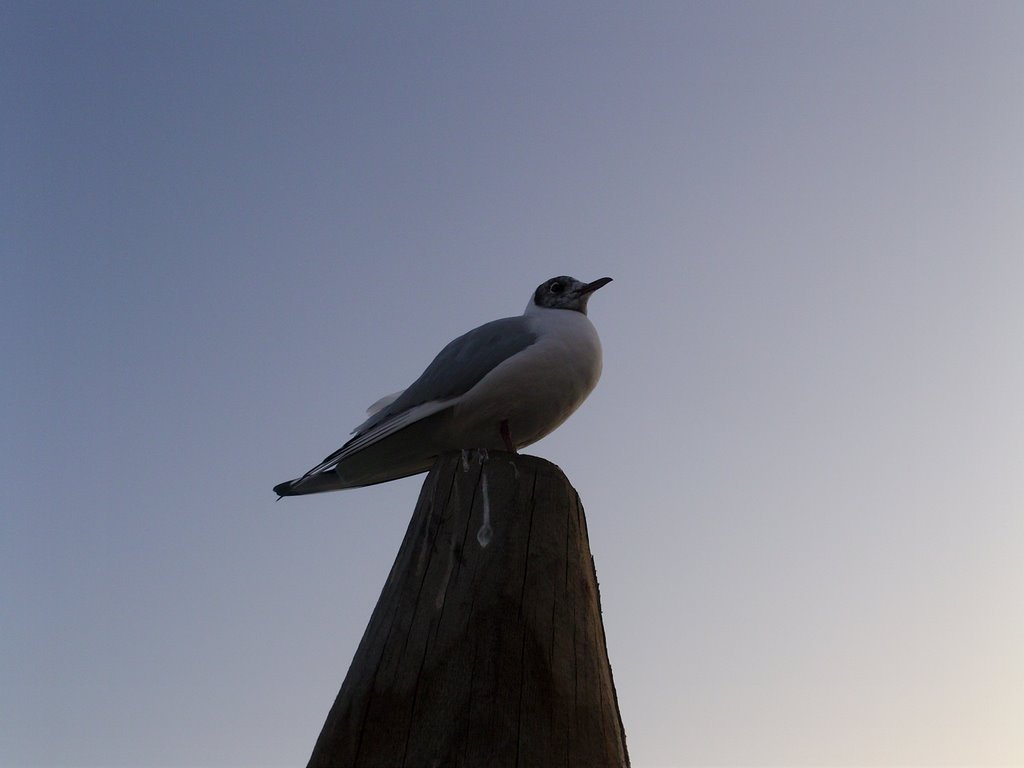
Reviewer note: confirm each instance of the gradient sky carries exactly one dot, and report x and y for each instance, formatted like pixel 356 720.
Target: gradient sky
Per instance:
pixel 227 228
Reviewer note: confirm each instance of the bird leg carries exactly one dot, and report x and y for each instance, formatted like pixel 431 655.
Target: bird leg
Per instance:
pixel 506 436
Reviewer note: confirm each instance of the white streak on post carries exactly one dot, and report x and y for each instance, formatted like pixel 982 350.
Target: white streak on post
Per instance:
pixel 483 536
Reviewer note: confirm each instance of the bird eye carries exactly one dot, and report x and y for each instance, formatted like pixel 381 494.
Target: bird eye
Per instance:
pixel 555 287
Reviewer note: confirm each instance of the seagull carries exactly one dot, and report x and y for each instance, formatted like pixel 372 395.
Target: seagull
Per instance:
pixel 501 386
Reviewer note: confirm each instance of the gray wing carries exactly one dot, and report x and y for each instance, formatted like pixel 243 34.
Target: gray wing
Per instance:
pixel 460 365
pixel 456 370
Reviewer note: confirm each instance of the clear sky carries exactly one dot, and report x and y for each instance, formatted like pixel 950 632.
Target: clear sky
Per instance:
pixel 227 228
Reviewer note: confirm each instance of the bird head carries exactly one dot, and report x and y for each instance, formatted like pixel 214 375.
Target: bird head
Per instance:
pixel 566 292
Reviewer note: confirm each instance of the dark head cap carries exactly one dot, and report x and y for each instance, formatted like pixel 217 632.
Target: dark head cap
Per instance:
pixel 566 292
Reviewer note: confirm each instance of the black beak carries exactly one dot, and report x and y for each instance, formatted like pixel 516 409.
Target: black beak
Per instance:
pixel 591 287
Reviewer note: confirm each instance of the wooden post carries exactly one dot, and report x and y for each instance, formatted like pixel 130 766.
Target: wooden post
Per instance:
pixel 486 647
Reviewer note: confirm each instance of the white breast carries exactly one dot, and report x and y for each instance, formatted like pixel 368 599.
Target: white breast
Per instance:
pixel 537 389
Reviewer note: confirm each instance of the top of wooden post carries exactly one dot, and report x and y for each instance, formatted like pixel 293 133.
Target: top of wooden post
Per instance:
pixel 486 646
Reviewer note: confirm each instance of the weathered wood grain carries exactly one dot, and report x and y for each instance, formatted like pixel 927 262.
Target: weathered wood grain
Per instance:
pixel 486 647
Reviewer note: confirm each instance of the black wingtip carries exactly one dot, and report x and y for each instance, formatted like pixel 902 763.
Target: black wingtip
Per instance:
pixel 284 489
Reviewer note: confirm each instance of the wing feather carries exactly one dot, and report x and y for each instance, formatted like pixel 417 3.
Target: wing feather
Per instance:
pixel 456 370
pixel 460 365
pixel 384 402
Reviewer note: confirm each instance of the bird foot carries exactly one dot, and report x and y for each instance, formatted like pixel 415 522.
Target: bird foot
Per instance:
pixel 506 436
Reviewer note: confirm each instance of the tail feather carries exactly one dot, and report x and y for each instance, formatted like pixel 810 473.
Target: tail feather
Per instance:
pixel 408 451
